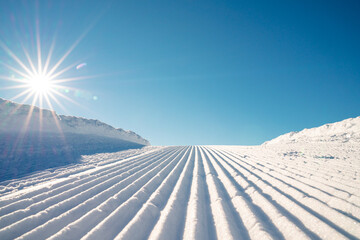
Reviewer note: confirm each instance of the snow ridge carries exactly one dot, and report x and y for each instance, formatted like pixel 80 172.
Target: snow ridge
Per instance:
pixel 13 117
pixel 344 131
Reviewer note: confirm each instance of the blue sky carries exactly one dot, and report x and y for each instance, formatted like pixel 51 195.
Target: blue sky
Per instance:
pixel 198 72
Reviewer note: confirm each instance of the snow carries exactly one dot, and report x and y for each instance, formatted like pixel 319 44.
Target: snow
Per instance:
pixel 347 130
pixel 306 187
pixel 43 139
pixel 13 117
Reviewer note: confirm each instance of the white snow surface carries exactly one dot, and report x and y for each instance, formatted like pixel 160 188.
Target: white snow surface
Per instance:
pixel 302 190
pixel 14 116
pixel 347 130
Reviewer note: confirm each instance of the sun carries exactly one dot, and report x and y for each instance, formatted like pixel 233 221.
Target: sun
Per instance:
pixel 41 84
pixel 40 80
pixel 40 76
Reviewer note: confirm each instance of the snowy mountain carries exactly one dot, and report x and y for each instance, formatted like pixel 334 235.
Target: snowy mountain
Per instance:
pixel 43 139
pixel 13 117
pixel 344 131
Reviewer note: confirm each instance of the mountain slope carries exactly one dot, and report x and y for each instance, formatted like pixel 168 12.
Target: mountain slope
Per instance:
pixel 42 139
pixel 13 117
pixel 347 130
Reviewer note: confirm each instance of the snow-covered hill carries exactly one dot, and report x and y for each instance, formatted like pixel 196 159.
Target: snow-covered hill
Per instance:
pixel 347 130
pixel 42 139
pixel 13 117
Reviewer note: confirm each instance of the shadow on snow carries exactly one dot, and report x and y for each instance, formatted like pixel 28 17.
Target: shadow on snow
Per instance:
pixel 31 152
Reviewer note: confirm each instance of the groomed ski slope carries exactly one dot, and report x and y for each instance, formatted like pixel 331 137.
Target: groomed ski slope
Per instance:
pixel 195 192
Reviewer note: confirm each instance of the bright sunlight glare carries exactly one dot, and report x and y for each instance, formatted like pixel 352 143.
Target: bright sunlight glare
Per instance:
pixel 41 84
pixel 40 80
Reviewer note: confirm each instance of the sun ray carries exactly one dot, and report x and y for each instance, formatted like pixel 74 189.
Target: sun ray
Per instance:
pixel 62 80
pixel 54 115
pixel 13 79
pixel 20 138
pixel 13 56
pixel 72 47
pixel 41 100
pixel 47 62
pixel 56 74
pixel 53 69
pixel 56 86
pixel 56 101
pixel 65 97
pixel 38 46
pixel 41 114
pixel 15 87
pixel 20 105
pixel 28 117
pixel 29 96
pixel 28 58
pixel 16 70
pixel 21 94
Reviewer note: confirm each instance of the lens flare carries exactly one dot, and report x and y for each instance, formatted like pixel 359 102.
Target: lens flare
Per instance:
pixel 78 67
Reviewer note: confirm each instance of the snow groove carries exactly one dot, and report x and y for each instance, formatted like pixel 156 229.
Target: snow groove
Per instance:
pixel 72 185
pixel 310 209
pixel 116 194
pixel 192 192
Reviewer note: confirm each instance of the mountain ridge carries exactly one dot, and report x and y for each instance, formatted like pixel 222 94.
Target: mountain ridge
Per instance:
pixel 344 131
pixel 43 139
pixel 14 114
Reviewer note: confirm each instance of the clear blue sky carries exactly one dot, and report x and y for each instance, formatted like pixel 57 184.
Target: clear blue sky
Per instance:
pixel 199 72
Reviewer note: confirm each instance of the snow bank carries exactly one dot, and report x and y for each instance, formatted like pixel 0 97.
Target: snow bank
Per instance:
pixel 13 117
pixel 43 139
pixel 347 130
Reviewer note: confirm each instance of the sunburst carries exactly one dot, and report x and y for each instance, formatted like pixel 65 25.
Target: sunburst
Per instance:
pixel 40 83
pixel 38 80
